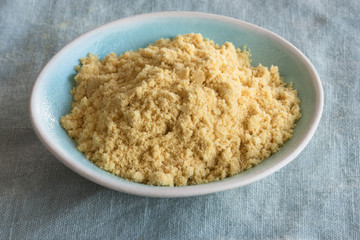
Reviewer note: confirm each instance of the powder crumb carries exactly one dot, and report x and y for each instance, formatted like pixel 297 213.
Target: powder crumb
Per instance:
pixel 179 112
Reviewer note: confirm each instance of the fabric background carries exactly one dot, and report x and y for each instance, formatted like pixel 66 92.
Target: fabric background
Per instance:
pixel 317 196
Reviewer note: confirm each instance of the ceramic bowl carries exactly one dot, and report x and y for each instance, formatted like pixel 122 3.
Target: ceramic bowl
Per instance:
pixel 51 98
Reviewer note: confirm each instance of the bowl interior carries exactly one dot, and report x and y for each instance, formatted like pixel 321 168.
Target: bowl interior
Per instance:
pixel 51 96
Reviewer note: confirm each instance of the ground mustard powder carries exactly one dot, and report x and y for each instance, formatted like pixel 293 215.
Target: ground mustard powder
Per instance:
pixel 179 112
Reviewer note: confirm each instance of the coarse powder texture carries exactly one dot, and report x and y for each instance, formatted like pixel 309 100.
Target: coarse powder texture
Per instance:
pixel 179 112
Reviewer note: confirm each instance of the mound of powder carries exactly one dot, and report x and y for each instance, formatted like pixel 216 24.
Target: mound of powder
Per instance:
pixel 179 112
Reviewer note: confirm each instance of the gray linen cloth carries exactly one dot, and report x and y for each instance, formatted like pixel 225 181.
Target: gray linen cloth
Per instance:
pixel 314 197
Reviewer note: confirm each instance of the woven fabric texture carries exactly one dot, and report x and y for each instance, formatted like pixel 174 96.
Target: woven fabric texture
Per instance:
pixel 316 196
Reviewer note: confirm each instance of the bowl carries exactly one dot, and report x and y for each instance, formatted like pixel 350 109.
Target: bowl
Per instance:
pixel 51 98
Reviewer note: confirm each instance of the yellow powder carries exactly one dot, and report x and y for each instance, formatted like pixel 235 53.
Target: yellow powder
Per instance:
pixel 179 112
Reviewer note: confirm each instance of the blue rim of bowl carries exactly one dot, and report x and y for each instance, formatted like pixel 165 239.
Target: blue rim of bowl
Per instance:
pixel 185 191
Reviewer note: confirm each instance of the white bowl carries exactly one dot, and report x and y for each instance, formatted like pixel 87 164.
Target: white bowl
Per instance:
pixel 51 98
